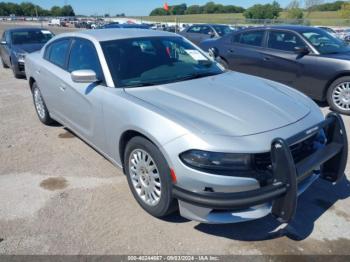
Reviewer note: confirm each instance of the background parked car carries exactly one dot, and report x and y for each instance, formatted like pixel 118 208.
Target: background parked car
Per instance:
pixel 306 58
pixel 200 32
pixel 16 43
pixel 117 25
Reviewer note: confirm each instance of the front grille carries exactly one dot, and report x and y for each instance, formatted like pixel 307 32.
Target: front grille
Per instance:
pixel 21 67
pixel 301 150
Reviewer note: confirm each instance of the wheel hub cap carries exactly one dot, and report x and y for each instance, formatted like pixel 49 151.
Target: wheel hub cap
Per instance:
pixel 145 177
pixel 341 96
pixel 39 103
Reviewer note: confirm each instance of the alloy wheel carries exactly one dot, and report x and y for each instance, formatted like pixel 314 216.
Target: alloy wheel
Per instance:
pixel 341 96
pixel 145 178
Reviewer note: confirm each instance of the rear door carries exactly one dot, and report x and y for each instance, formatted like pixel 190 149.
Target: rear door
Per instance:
pixel 280 61
pixel 244 51
pixel 50 76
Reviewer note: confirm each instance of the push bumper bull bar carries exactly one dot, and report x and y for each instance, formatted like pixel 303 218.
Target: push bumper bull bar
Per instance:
pixel 283 192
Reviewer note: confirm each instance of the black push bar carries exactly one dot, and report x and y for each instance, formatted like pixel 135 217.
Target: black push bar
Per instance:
pixel 283 192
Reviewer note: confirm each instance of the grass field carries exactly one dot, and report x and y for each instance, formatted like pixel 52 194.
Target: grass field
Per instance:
pixel 314 18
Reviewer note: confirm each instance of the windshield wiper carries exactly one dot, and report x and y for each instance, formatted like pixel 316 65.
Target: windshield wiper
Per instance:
pixel 196 75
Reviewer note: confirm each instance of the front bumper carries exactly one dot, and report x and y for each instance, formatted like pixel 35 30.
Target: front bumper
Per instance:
pixel 289 180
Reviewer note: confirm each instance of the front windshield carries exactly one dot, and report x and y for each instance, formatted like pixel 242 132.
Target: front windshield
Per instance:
pixel 326 43
pixel 222 29
pixel 31 37
pixel 155 60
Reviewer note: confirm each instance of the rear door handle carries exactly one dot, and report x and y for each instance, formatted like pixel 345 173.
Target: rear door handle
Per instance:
pixel 266 58
pixel 231 51
pixel 37 72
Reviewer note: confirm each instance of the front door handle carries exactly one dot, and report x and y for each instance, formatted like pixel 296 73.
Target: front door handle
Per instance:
pixel 231 51
pixel 266 58
pixel 63 87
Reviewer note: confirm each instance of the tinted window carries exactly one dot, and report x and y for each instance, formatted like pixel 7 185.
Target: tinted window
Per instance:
pixel 83 55
pixel 206 30
pixel 254 38
pixel 194 29
pixel 222 29
pixel 58 52
pixel 286 41
pixel 325 43
pixel 31 37
pixel 159 60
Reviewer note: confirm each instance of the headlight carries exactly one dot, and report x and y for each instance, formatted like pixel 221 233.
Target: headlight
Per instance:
pixel 216 161
pixel 20 56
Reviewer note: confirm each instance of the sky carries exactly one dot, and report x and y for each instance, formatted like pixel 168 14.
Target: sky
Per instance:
pixel 134 7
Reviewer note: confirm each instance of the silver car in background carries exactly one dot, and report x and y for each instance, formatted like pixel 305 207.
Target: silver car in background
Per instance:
pixel 222 146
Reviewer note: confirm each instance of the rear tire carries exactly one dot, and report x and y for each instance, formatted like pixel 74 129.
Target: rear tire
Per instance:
pixel 3 63
pixel 149 177
pixel 338 95
pixel 40 106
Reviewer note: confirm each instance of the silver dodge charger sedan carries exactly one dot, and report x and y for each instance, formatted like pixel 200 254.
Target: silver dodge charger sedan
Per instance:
pixel 221 146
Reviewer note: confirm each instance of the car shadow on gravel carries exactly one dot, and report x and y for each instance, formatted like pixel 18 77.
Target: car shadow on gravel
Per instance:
pixel 319 198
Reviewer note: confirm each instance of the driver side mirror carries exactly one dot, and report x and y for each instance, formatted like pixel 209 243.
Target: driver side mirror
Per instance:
pixel 302 50
pixel 213 52
pixel 211 34
pixel 84 76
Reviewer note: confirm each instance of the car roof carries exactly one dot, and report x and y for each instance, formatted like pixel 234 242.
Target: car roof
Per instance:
pixel 20 29
pixel 109 34
pixel 297 28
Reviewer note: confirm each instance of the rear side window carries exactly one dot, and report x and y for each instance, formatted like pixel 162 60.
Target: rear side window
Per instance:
pixel 56 53
pixel 285 41
pixel 254 38
pixel 83 55
pixel 195 29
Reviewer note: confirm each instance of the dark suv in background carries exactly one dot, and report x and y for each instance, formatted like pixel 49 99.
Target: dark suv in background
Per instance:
pixel 306 58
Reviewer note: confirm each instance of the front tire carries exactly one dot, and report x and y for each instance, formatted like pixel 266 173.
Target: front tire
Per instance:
pixel 338 95
pixel 149 177
pixel 222 62
pixel 40 106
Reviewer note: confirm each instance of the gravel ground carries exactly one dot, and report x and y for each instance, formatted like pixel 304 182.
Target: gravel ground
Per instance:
pixel 59 196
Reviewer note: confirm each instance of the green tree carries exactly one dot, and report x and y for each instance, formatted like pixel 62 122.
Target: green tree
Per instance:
pixel 158 12
pixel 56 11
pixel 345 11
pixel 67 10
pixel 178 9
pixel 193 9
pixel 267 11
pixel 294 11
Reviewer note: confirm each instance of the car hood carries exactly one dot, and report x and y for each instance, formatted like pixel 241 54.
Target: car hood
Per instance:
pixel 230 104
pixel 28 48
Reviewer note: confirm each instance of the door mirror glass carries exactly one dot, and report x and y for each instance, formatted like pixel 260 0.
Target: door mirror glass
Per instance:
pixel 84 76
pixel 211 34
pixel 302 50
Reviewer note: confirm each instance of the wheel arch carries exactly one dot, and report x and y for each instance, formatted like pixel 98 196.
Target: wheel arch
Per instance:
pixel 31 82
pixel 330 82
pixel 125 138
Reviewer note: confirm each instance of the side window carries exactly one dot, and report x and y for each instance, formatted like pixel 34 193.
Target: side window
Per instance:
pixel 83 55
pixel 206 30
pixel 285 41
pixel 57 52
pixel 194 29
pixel 254 38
